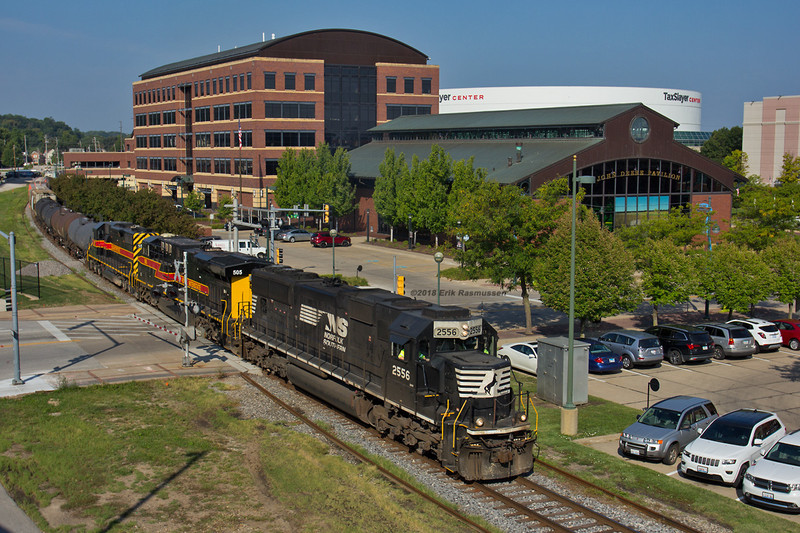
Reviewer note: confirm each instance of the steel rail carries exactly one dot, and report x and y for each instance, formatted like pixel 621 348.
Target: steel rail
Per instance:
pixel 647 511
pixel 363 458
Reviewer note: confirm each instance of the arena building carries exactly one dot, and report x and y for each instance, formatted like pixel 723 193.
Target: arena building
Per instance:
pixel 770 129
pixel 641 171
pixel 220 122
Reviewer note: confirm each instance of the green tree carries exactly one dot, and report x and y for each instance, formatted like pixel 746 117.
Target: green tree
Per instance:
pixel 667 274
pixel 736 161
pixel 679 226
pixel 223 212
pixel 736 277
pixel 423 196
pixel 194 201
pixel 790 171
pixel 392 176
pixel 763 214
pixel 604 271
pixel 722 143
pixel 783 258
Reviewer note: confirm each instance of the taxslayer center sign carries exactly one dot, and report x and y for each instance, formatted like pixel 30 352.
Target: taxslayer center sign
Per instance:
pixel 682 106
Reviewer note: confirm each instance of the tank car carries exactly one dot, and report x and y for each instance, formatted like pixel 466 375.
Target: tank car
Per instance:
pixel 425 374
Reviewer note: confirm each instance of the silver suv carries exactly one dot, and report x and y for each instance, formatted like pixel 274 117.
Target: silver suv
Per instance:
pixel 634 347
pixel 730 340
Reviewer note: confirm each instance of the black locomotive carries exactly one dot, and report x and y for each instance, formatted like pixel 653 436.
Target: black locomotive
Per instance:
pixel 425 374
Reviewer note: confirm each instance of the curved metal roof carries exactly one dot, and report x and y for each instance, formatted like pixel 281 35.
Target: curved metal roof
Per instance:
pixel 261 49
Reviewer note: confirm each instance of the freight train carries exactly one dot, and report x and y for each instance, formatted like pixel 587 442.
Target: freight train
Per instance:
pixel 424 374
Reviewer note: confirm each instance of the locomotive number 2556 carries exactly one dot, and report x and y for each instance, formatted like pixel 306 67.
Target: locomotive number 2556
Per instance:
pixel 401 373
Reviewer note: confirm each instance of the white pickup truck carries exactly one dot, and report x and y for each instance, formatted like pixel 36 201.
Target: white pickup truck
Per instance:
pixel 245 247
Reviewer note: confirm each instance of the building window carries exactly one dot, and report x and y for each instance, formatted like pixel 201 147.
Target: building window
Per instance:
pixel 222 138
pixel 288 81
pixel 393 110
pixel 154 119
pixel 271 167
pixel 243 110
pixel 247 138
pixel 196 90
pixel 249 81
pixel 169 117
pixel 426 86
pixel 214 85
pixel 222 166
pixel 289 110
pixel 408 85
pixel 141 141
pixel 155 163
pixel 155 141
pixel 208 87
pixel 241 82
pixel 235 80
pixel 221 90
pixel 310 82
pixel 391 84
pixel 141 120
pixel 170 163
pixel 222 112
pixel 202 114
pixel 169 141
pixel 202 164
pixel 243 166
pixel 290 138
pixel 227 84
pixel 269 80
pixel 202 89
pixel 141 163
pixel 202 140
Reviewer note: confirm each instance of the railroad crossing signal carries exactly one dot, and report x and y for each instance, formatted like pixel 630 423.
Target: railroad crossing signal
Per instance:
pixel 327 216
pixel 401 285
pixel 279 256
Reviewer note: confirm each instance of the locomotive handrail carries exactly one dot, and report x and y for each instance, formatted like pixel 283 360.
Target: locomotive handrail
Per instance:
pixel 536 428
pixel 456 420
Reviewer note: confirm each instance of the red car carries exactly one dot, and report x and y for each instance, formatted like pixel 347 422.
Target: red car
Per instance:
pixel 790 332
pixel 324 239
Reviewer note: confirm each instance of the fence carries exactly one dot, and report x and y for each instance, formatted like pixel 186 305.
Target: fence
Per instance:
pixel 27 276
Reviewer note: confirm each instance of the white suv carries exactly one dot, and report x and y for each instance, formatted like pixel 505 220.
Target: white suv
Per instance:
pixel 774 480
pixel 730 444
pixel 766 334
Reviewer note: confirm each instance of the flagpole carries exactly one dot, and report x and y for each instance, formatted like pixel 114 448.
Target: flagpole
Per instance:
pixel 240 164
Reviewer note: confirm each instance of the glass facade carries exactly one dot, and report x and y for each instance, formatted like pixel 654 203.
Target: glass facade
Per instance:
pixel 629 191
pixel 351 102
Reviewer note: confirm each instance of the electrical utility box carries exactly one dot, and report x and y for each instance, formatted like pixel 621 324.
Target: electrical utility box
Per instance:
pixel 552 373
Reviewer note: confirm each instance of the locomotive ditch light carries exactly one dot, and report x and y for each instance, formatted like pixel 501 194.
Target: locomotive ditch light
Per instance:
pixel 523 417
pixel 479 422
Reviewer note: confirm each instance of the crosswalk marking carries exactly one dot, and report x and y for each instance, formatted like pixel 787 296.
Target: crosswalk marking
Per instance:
pixel 53 330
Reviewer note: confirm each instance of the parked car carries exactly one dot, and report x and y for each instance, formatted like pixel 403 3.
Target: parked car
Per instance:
pixel 790 332
pixel 324 239
pixel 766 334
pixel 634 347
pixel 730 340
pixel 730 444
pixel 683 343
pixel 774 480
pixel 601 358
pixel 664 430
pixel 521 355
pixel 292 235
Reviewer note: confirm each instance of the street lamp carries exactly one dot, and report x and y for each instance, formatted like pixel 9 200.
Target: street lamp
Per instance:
pixel 367 225
pixel 410 232
pixel 438 257
pixel 334 233
pixel 569 414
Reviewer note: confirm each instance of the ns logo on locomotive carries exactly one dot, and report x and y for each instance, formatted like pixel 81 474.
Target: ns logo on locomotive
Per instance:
pixel 424 374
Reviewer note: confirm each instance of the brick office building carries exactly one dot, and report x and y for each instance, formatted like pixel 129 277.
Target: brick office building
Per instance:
pixel 293 92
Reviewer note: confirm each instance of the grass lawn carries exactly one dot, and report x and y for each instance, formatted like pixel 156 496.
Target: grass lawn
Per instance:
pixel 145 456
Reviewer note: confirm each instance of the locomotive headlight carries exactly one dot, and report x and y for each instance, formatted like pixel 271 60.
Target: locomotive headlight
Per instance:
pixel 523 417
pixel 465 330
pixel 479 422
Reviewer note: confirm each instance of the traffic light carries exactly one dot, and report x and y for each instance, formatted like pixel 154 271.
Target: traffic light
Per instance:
pixel 401 285
pixel 327 216
pixel 279 256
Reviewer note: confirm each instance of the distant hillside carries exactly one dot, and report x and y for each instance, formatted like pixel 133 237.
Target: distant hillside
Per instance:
pixel 42 134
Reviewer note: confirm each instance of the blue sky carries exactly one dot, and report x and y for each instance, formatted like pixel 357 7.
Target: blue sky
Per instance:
pixel 75 61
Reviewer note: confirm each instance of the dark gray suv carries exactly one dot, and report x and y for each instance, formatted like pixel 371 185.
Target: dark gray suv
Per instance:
pixel 634 347
pixel 665 429
pixel 730 340
pixel 683 343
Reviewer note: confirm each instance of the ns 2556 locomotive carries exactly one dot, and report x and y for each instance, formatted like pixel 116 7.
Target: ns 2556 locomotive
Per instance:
pixel 424 374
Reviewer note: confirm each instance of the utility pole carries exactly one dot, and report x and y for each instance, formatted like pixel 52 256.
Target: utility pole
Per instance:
pixel 14 317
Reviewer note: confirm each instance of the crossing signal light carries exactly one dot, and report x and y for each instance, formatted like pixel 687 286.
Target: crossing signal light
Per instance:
pixel 279 256
pixel 401 285
pixel 327 216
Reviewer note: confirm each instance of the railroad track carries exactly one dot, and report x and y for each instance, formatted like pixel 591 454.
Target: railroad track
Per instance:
pixel 527 505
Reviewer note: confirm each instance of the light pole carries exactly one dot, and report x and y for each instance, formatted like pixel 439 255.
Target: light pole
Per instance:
pixel 438 257
pixel 334 233
pixel 367 225
pixel 410 232
pixel 569 414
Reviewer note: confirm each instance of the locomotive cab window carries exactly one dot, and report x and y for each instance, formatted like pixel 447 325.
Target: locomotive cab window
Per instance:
pixel 402 351
pixel 424 353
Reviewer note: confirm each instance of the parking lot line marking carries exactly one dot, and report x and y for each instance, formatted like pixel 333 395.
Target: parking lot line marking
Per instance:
pixel 634 372
pixel 760 359
pixel 673 473
pixel 720 363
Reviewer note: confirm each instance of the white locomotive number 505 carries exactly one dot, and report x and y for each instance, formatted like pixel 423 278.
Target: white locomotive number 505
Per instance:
pixel 401 373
